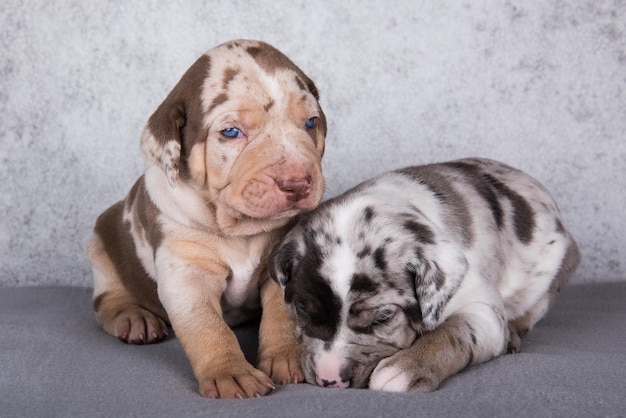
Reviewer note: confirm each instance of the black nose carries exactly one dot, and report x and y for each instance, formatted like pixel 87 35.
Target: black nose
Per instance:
pixel 295 188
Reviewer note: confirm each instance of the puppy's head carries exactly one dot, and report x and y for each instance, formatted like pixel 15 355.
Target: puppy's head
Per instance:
pixel 362 285
pixel 244 129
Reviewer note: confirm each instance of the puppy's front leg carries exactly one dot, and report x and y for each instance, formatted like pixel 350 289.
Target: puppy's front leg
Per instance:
pixel 470 337
pixel 279 351
pixel 192 298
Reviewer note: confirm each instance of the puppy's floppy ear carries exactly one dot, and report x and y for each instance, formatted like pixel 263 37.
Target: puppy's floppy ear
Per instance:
pixel 439 269
pixel 175 123
pixel 282 261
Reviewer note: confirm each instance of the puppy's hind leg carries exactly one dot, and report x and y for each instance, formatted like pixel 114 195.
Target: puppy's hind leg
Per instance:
pixel 518 327
pixel 136 318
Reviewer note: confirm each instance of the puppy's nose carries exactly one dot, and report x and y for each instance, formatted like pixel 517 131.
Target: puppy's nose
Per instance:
pixel 295 188
pixel 332 383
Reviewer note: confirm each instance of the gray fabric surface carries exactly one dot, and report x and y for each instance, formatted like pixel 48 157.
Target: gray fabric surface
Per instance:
pixel 56 361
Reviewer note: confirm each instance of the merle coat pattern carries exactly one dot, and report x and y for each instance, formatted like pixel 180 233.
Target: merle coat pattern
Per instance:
pixel 414 275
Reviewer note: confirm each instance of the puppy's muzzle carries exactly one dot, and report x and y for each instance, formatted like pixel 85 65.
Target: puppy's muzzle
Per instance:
pixel 295 189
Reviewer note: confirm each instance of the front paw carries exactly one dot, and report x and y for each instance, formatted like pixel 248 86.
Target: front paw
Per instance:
pixel 136 325
pixel 400 374
pixel 237 382
pixel 282 364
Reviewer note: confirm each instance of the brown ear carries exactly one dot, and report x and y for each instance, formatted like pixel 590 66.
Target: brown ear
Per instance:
pixel 173 128
pixel 161 139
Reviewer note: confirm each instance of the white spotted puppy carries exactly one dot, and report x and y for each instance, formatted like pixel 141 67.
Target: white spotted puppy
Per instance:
pixel 412 276
pixel 234 153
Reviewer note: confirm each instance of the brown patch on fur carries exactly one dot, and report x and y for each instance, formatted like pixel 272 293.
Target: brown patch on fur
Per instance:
pixel 220 99
pixel 229 75
pixel 118 248
pixel 180 116
pixel 270 59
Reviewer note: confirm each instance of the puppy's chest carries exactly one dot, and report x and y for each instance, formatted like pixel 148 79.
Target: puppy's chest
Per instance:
pixel 246 269
pixel 242 285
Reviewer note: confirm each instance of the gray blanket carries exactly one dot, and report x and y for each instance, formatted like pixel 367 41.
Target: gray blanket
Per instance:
pixel 56 361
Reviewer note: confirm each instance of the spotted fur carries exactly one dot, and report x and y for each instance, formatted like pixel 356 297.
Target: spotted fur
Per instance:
pixel 233 154
pixel 414 275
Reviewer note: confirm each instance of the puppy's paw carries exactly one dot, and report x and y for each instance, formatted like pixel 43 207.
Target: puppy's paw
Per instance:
pixel 282 364
pixel 139 326
pixel 237 382
pixel 391 375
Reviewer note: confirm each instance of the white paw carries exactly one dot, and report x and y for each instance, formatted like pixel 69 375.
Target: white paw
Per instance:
pixel 389 378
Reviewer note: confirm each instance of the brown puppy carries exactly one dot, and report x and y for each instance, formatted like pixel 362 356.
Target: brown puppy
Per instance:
pixel 234 153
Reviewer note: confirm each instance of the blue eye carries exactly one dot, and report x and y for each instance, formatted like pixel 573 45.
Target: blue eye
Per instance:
pixel 231 133
pixel 310 123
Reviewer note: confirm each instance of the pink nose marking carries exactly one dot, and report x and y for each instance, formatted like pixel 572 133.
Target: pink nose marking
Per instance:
pixel 295 188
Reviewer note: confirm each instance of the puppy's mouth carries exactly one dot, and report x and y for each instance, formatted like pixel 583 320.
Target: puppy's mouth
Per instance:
pixel 271 199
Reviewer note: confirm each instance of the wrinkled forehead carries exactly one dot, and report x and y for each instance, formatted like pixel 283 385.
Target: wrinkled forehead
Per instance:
pixel 241 73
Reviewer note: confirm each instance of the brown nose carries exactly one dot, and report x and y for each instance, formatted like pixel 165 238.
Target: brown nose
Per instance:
pixel 295 188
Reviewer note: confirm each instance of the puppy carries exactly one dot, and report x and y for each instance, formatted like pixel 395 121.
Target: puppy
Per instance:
pixel 233 154
pixel 414 275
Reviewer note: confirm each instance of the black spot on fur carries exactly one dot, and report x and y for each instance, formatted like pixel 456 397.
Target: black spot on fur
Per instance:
pixel 379 259
pixel 421 232
pixel 414 312
pixel 442 188
pixel 363 283
pixel 317 306
pixel 368 214
pixel 523 215
pixel 365 252
pixel 473 174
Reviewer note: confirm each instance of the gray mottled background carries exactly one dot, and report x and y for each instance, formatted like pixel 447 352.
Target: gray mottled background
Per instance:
pixel 538 84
